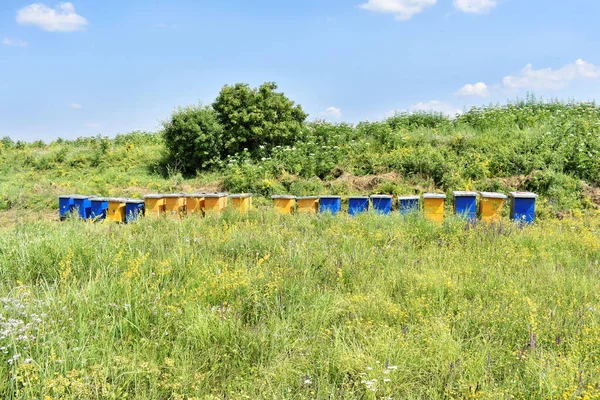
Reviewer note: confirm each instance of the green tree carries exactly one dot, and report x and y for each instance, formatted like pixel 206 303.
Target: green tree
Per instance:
pixel 193 138
pixel 257 117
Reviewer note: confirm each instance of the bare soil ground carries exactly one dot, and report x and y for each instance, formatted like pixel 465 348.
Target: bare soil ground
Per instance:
pixel 593 193
pixel 367 182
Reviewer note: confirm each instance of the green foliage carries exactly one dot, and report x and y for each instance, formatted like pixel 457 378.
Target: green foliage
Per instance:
pixel 417 120
pixel 193 138
pixel 271 307
pixel 550 148
pixel 257 117
pixel 268 306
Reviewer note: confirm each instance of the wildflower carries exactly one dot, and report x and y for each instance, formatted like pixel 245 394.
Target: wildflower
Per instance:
pixel 307 380
pixel 14 358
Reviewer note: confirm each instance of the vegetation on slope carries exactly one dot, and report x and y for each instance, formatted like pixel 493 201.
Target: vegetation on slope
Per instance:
pixel 549 148
pixel 268 306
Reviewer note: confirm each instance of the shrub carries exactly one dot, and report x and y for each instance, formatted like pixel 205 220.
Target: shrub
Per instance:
pixel 257 117
pixel 193 138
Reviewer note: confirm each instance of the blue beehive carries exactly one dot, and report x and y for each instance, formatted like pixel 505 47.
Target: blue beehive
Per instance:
pixel 82 205
pixel 358 204
pixel 99 208
pixel 65 206
pixel 332 204
pixel 465 205
pixel 408 204
pixel 133 209
pixel 522 206
pixel 382 203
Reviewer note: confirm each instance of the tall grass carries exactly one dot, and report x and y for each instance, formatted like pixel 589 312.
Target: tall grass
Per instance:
pixel 268 306
pixel 295 307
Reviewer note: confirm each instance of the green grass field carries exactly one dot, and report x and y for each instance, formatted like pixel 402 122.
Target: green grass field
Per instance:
pixel 310 307
pixel 268 306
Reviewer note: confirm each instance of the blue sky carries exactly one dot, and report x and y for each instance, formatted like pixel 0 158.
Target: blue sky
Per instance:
pixel 102 67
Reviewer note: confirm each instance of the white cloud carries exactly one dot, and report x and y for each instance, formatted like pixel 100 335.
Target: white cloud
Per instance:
pixel 332 112
pixel 548 78
pixel 63 18
pixel 479 89
pixel 14 42
pixel 436 106
pixel 475 6
pixel 93 125
pixel 402 9
pixel 76 106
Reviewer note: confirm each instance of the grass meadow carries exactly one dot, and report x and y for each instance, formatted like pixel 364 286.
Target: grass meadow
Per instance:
pixel 263 306
pixel 299 307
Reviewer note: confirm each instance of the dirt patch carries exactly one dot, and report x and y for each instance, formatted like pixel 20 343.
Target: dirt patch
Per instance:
pixel 367 182
pixel 517 181
pixel 593 193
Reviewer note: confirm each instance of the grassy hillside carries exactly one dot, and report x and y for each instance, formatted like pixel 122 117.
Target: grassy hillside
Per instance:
pixel 552 149
pixel 309 307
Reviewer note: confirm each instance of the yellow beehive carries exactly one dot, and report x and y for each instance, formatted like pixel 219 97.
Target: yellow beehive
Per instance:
pixel 194 204
pixel 154 205
pixel 116 210
pixel 308 205
pixel 241 202
pixel 433 206
pixel 284 204
pixel 490 206
pixel 174 205
pixel 215 202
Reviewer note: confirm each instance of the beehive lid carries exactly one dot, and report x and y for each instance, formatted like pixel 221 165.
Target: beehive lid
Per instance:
pixel 330 197
pixel 523 195
pixel 358 197
pixel 154 196
pixel 173 195
pixel 464 194
pixel 382 196
pixel 194 195
pixel 307 197
pixel 67 196
pixel 102 199
pixel 434 196
pixel 240 195
pixel 134 201
pixel 284 197
pixel 214 195
pixel 117 200
pixel 492 195
pixel 80 197
pixel 408 198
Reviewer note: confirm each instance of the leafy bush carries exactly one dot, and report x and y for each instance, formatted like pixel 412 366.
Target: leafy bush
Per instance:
pixel 193 138
pixel 257 117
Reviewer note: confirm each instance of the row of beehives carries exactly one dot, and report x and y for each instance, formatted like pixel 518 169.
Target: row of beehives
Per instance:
pixel 472 205
pixel 127 210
